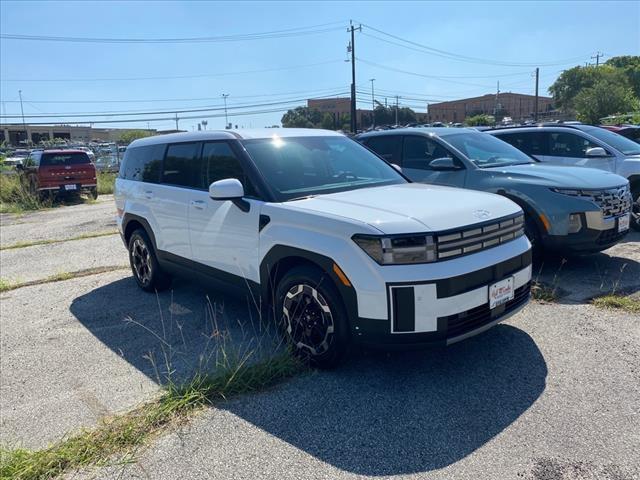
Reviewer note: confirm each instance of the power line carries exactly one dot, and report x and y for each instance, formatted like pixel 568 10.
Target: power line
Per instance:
pixel 297 92
pixel 162 112
pixel 464 58
pixel 203 75
pixel 177 108
pixel 292 32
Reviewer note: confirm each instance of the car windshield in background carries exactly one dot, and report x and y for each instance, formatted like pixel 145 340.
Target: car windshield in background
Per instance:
pixel 487 151
pixel 303 166
pixel 620 143
pixel 54 159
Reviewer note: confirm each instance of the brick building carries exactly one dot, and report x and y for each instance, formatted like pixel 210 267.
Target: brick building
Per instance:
pixel 515 105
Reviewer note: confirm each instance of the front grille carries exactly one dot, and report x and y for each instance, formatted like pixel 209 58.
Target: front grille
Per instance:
pixel 470 320
pixel 474 239
pixel 613 201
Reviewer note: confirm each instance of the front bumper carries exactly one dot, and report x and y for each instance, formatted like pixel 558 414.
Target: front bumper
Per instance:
pixel 445 311
pixel 597 234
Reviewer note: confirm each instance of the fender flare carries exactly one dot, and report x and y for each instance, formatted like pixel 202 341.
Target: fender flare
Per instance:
pixel 277 253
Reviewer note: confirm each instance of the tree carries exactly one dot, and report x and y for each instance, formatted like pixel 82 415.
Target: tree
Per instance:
pixel 327 121
pixel 131 135
pixel 387 115
pixel 480 120
pixel 606 97
pixel 624 71
pixel 630 66
pixel 302 117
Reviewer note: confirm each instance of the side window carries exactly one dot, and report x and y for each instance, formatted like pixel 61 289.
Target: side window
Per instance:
pixel 563 144
pixel 182 166
pixel 419 151
pixel 533 143
pixel 219 162
pixel 142 164
pixel 387 146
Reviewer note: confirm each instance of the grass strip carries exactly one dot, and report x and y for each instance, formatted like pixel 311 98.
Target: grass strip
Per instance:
pixel 618 302
pixel 122 435
pixel 58 277
pixel 58 240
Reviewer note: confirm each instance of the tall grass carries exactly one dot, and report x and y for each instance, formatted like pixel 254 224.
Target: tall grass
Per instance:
pixel 15 196
pixel 251 359
pixel 106 182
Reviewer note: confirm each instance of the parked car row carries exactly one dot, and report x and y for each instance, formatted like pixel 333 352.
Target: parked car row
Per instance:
pixel 347 245
pixel 567 209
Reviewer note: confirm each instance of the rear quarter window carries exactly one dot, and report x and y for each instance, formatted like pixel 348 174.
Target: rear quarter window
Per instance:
pixel 142 164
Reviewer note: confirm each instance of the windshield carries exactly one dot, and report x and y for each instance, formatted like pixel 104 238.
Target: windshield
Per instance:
pixel 620 143
pixel 487 151
pixel 50 159
pixel 303 166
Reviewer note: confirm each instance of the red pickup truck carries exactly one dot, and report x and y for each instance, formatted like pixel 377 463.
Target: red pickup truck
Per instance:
pixel 60 171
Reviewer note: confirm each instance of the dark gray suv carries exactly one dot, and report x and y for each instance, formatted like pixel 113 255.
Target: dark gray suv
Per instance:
pixel 568 209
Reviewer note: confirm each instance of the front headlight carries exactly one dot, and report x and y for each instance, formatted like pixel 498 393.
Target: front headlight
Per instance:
pixel 398 250
pixel 568 191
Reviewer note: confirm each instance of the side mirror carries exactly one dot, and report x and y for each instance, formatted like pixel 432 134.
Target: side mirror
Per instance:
pixel 596 152
pixel 229 189
pixel 444 164
pixel 19 166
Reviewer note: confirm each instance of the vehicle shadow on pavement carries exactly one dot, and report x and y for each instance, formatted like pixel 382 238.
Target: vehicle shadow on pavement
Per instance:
pixel 171 335
pixel 403 413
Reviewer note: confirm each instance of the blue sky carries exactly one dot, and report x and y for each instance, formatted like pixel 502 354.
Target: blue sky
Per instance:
pixel 297 67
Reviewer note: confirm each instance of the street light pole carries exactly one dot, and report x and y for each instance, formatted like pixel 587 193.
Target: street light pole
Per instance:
pixel 226 119
pixel 26 134
pixel 373 104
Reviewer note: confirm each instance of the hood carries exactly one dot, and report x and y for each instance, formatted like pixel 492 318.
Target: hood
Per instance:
pixel 411 207
pixel 558 176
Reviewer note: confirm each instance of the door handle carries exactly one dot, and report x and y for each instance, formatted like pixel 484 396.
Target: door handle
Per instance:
pixel 148 194
pixel 198 204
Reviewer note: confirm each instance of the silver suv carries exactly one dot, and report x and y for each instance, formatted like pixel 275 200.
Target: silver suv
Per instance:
pixel 583 146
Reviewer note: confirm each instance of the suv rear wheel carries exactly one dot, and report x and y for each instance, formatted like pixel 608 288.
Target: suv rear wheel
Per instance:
pixel 312 316
pixel 144 263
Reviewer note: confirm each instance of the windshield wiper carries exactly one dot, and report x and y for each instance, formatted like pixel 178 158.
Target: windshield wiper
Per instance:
pixel 304 197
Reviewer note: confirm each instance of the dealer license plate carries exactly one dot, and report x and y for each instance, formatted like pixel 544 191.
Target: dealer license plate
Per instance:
pixel 623 224
pixel 501 292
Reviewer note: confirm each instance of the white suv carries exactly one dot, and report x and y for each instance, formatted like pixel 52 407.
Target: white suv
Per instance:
pixel 338 242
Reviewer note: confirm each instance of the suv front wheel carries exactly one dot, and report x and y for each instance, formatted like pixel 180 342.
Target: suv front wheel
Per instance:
pixel 635 208
pixel 144 263
pixel 312 316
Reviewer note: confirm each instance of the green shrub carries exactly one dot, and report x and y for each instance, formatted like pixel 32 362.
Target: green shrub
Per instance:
pixel 106 182
pixel 15 196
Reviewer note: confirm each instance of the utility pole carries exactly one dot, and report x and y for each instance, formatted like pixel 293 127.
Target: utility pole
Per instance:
pixel 497 107
pixel 177 121
pixel 397 97
pixel 597 58
pixel 373 104
pixel 26 134
pixel 535 102
pixel 352 48
pixel 226 119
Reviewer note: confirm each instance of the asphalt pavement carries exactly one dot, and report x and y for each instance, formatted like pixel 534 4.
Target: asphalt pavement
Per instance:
pixel 553 393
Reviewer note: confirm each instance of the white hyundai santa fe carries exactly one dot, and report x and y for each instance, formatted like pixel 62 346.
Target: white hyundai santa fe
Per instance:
pixel 333 238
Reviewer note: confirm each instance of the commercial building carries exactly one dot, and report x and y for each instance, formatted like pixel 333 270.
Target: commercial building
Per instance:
pixel 515 105
pixel 19 134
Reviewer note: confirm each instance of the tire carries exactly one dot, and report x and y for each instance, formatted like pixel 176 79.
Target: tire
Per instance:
pixel 533 234
pixel 144 263
pixel 310 312
pixel 635 208
pixel 93 192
